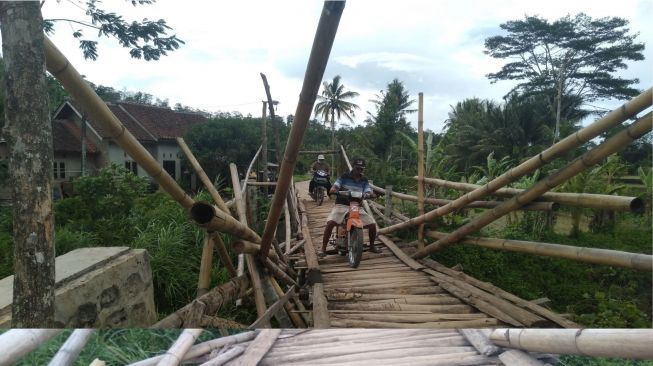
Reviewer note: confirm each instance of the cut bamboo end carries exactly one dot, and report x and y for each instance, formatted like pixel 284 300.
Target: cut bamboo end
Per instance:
pixel 202 213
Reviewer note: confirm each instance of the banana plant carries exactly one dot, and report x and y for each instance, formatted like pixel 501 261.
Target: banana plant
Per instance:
pixel 646 176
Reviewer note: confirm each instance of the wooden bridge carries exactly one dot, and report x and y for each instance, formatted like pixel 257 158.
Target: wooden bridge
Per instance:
pixel 398 288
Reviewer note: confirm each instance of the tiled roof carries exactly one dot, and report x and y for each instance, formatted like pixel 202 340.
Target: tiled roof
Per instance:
pixel 147 123
pixel 67 138
pixel 161 122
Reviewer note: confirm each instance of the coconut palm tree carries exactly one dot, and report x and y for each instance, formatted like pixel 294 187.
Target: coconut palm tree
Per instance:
pixel 333 103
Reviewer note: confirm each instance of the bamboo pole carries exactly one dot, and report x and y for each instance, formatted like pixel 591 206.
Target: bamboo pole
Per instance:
pixel 420 169
pixel 296 319
pixel 272 310
pixel 622 343
pixel 259 347
pixel 592 157
pixel 532 206
pixel 206 263
pixel 214 219
pixel 588 200
pixel 480 341
pixel 286 218
pixel 257 284
pixel 223 254
pixel 70 350
pixel 262 184
pixel 246 247
pixel 614 118
pixel 324 37
pixel 181 346
pixel 225 357
pixel 16 343
pixel 277 272
pixel 214 299
pixel 264 143
pixel 642 262
pixel 320 304
pixel 203 348
pixel 518 358
pixel 249 169
pixel 202 175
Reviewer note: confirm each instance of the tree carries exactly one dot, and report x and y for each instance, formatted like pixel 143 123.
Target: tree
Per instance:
pixel 333 102
pixel 574 57
pixel 144 39
pixel 29 135
pixel 391 109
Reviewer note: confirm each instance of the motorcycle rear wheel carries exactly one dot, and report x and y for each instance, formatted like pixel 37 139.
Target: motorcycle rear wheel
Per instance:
pixel 355 254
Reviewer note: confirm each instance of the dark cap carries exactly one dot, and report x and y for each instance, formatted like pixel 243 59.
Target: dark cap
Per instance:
pixel 358 162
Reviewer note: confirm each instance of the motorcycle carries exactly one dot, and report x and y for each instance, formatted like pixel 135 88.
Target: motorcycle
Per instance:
pixel 321 179
pixel 349 234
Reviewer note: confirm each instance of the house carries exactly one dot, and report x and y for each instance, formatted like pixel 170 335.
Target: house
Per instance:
pixel 156 128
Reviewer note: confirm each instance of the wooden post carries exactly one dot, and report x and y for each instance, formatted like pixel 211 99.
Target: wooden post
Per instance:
pixel 322 43
pixel 259 299
pixel 387 214
pixel 420 169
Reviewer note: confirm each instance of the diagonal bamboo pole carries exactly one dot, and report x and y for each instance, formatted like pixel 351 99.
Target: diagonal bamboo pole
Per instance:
pixel 16 343
pixel 202 175
pixel 594 156
pixel 420 168
pixel 97 110
pixel 324 37
pixel 249 169
pixel 614 118
pixel 181 346
pixel 588 200
pixel 70 350
pixel 642 262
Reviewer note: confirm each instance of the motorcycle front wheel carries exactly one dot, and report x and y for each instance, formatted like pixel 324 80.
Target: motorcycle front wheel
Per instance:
pixel 320 195
pixel 355 237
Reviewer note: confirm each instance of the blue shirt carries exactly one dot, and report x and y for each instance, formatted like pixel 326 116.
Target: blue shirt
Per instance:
pixel 347 182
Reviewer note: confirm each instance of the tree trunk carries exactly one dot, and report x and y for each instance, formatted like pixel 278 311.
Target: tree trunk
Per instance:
pixel 333 138
pixel 29 136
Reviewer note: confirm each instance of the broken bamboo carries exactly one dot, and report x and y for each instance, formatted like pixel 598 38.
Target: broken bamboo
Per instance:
pixel 612 119
pixel 617 142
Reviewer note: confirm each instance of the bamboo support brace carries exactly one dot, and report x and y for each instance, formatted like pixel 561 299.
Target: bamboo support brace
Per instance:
pixel 70 350
pixel 181 346
pixel 16 343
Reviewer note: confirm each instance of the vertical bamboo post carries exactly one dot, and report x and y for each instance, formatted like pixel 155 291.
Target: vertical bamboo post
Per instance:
pixel 70 350
pixel 387 214
pixel 264 143
pixel 206 263
pixel 324 37
pixel 259 299
pixel 420 168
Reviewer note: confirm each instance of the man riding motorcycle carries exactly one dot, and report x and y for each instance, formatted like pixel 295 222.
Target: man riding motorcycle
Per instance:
pixel 320 164
pixel 352 181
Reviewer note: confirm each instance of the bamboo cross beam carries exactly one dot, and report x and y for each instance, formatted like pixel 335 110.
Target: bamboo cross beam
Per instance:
pixel 638 129
pixel 181 346
pixel 612 119
pixel 622 343
pixel 642 262
pixel 316 152
pixel 324 37
pixel 533 206
pixel 587 200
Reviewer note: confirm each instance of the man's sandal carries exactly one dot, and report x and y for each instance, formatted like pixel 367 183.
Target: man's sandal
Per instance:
pixel 321 253
pixel 374 249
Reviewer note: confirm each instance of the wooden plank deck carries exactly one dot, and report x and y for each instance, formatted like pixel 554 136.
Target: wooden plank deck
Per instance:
pixel 391 290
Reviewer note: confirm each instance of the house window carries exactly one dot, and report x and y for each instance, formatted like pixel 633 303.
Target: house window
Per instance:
pixel 131 166
pixel 170 166
pixel 59 170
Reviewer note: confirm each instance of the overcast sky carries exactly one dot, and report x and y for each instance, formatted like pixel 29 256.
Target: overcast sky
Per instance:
pixel 434 47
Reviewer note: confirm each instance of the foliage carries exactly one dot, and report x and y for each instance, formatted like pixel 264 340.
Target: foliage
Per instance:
pixel 579 55
pixel 333 102
pixel 568 360
pixel 646 176
pixel 145 39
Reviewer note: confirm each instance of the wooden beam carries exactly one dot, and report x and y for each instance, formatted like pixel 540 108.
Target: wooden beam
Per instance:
pixel 259 347
pixel 272 310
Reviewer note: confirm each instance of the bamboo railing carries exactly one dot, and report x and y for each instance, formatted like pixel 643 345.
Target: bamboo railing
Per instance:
pixel 642 262
pixel 594 156
pixel 588 200
pixel 324 37
pixel 612 119
pixel 623 343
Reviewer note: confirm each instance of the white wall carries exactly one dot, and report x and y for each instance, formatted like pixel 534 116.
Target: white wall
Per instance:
pixel 169 150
